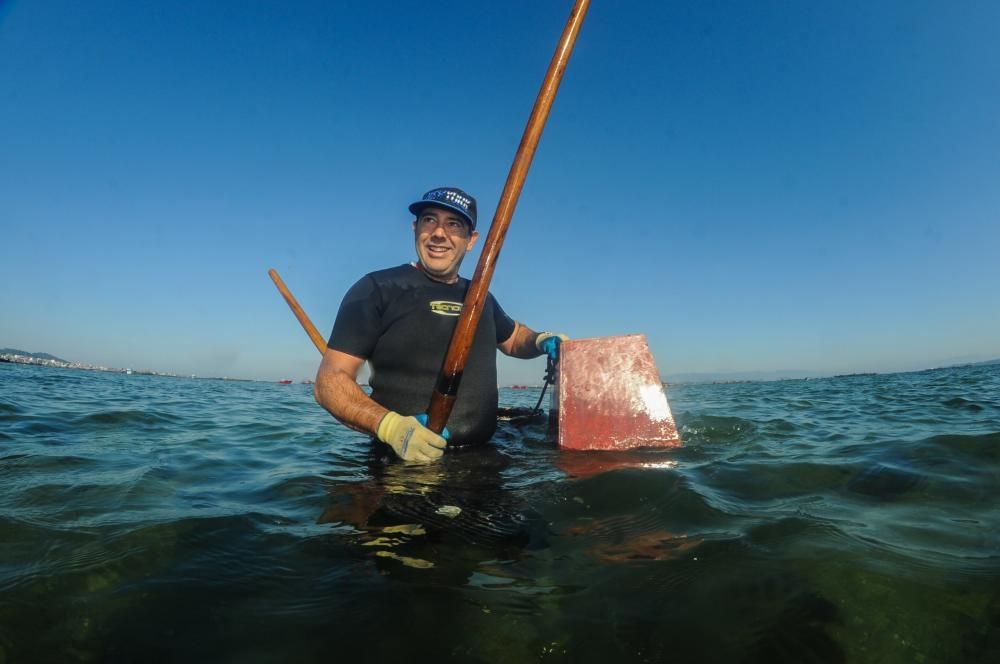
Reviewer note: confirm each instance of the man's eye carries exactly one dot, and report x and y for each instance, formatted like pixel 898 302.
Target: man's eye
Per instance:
pixel 454 224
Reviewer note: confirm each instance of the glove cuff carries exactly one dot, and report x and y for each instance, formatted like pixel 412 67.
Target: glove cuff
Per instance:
pixel 543 336
pixel 385 426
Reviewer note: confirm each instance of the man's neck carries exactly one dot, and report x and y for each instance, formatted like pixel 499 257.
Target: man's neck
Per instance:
pixel 433 277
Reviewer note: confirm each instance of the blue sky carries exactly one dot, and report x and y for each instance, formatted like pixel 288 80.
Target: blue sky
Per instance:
pixel 754 186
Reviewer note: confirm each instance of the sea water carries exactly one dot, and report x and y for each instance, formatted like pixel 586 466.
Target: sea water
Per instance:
pixel 161 519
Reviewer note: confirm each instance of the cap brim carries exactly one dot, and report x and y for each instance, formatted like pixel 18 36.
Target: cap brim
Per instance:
pixel 415 209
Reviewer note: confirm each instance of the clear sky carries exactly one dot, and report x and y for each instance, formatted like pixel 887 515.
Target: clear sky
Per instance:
pixel 755 186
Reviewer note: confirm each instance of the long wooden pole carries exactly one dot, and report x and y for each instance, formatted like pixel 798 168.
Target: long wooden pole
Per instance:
pixel 446 389
pixel 293 304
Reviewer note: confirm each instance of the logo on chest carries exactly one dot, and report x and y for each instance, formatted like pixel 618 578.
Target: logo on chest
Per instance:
pixel 445 308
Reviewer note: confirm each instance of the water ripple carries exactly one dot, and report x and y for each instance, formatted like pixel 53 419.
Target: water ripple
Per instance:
pixel 850 518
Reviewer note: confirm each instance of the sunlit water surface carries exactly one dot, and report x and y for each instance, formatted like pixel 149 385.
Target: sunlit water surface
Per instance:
pixel 159 519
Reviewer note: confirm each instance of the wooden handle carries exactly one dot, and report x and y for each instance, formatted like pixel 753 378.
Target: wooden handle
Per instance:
pixel 446 389
pixel 293 304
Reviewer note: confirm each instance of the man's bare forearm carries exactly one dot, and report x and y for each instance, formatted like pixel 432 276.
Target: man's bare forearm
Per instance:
pixel 521 343
pixel 340 394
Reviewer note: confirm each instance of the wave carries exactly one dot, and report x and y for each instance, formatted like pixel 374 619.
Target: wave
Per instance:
pixel 119 418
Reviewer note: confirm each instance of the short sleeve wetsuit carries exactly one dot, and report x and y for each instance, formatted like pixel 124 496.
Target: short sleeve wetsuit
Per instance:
pixel 401 321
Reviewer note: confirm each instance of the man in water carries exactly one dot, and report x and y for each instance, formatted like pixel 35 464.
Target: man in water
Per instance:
pixel 400 320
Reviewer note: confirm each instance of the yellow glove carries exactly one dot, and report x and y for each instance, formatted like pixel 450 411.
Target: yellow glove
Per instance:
pixel 410 440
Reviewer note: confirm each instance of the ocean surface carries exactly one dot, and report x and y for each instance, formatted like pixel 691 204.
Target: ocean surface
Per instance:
pixel 851 519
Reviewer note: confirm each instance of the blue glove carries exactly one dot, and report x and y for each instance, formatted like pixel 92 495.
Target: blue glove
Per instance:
pixel 548 343
pixel 422 418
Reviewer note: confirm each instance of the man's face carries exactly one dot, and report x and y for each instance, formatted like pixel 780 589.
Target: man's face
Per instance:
pixel 442 238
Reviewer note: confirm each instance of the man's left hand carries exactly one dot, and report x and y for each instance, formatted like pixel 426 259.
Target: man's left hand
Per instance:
pixel 548 343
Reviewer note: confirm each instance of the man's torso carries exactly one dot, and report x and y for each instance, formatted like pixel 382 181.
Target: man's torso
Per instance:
pixel 401 321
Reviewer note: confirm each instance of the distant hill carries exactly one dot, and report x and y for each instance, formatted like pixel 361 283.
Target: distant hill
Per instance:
pixel 740 376
pixel 791 374
pixel 37 356
pixel 978 364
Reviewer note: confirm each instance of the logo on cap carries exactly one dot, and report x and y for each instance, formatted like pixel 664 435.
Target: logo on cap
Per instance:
pixel 449 197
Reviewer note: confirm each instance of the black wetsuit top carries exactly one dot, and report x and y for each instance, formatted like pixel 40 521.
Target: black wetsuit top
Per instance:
pixel 401 321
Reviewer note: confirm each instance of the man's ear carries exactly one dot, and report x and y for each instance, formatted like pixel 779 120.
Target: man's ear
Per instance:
pixel 472 240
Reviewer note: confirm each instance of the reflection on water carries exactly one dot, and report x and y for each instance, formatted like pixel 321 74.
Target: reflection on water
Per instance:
pixel 153 519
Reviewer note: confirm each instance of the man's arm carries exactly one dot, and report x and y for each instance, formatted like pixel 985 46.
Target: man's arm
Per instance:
pixel 521 343
pixel 337 390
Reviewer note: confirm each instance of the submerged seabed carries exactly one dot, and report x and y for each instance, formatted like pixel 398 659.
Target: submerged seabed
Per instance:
pixel 157 519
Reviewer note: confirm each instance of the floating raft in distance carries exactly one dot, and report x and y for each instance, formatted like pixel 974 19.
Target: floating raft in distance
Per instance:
pixel 608 395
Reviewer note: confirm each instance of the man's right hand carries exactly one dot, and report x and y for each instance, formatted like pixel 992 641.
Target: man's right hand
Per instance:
pixel 548 343
pixel 410 440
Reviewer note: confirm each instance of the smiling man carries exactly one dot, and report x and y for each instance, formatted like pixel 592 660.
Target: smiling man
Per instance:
pixel 400 320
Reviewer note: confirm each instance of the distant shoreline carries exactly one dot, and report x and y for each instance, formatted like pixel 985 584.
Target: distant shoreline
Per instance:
pixel 56 363
pixel 12 356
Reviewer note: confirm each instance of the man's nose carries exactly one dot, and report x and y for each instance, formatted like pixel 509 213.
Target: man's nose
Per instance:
pixel 438 231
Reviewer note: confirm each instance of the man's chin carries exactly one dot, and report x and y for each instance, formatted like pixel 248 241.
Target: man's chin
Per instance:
pixel 437 265
pixel 440 272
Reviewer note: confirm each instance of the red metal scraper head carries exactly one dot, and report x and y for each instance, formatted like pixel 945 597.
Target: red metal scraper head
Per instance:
pixel 609 396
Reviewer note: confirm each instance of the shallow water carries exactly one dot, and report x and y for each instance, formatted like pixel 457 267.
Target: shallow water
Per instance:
pixel 159 519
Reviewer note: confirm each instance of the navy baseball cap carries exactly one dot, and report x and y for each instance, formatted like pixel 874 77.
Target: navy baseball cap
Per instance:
pixel 452 198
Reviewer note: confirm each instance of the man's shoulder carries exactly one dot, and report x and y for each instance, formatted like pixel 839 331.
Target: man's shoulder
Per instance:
pixel 404 272
pixel 398 275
